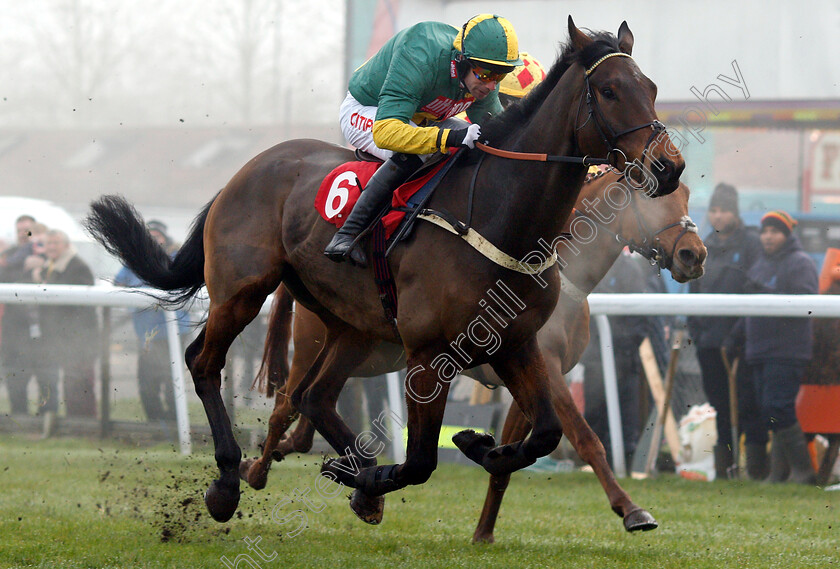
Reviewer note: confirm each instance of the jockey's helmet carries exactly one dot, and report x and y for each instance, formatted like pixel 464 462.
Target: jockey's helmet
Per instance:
pixel 522 79
pixel 489 41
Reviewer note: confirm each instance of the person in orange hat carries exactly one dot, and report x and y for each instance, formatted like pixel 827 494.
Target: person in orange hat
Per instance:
pixel 778 350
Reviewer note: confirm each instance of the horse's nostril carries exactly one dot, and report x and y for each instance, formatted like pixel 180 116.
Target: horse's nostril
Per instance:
pixel 687 257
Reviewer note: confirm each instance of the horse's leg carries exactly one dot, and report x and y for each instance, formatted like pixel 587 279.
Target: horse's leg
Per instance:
pixel 523 371
pixel 255 471
pixel 515 429
pixel 205 358
pixel 344 349
pixel 316 394
pixel 426 399
pixel 299 440
pixel 589 448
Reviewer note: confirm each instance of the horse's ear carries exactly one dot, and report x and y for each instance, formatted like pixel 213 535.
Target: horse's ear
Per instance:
pixel 579 39
pixel 625 38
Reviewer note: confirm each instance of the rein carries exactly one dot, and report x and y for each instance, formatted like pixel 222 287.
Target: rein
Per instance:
pixel 595 114
pixel 585 160
pixel 490 251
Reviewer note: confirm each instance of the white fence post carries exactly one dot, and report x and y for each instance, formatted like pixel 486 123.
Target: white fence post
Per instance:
pixel 175 361
pixel 397 419
pixel 611 395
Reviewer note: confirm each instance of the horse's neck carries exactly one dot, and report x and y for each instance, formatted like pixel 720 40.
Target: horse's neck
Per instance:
pixel 533 199
pixel 587 262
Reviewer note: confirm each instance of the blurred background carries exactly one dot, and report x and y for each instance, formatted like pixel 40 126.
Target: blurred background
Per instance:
pixel 163 102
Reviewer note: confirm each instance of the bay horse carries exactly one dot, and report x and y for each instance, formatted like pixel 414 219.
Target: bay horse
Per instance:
pixel 660 230
pixel 262 230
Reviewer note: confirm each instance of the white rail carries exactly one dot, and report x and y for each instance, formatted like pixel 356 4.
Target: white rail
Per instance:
pixel 601 305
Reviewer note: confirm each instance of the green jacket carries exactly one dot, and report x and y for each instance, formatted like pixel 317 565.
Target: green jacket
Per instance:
pixel 413 78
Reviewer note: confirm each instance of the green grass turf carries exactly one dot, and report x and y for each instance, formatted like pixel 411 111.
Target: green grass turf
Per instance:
pixel 71 503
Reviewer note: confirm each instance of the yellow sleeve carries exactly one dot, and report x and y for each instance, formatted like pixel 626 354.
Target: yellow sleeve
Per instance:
pixel 393 134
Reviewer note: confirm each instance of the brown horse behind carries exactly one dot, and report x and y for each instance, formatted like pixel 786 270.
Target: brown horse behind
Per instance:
pixel 659 229
pixel 262 230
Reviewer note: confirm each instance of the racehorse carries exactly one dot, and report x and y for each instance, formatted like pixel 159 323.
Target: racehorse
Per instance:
pixel 262 230
pixel 659 229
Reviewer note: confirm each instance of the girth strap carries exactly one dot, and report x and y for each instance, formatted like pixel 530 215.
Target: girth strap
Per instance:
pixel 483 246
pixel 383 277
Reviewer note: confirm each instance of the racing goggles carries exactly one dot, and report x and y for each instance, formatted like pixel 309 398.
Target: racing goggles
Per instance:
pixel 486 75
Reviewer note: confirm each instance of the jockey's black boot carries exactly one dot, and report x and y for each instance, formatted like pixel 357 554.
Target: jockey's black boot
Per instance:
pixel 375 196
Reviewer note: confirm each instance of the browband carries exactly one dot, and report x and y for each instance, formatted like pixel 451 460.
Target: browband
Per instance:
pixel 609 55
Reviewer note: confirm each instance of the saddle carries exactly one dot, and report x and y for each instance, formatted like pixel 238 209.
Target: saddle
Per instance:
pixel 341 188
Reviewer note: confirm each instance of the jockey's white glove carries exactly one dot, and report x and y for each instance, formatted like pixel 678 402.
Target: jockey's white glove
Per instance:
pixel 464 136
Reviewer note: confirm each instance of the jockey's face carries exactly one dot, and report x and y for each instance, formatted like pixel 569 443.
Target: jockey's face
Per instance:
pixel 478 88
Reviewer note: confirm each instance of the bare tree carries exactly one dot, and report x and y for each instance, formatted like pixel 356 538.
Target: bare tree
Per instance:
pixel 80 45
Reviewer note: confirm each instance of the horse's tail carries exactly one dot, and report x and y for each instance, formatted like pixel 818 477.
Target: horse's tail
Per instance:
pixel 274 369
pixel 118 226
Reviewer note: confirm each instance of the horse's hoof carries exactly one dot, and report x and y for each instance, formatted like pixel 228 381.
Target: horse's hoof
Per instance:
pixel 639 520
pixel 369 509
pixel 475 446
pixel 252 472
pixel 221 501
pixel 277 456
pixel 479 538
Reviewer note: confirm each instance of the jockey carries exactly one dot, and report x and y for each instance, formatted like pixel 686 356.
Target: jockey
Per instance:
pixel 401 104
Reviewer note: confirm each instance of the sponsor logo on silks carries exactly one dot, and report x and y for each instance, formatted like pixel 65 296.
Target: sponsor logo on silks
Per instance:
pixel 360 122
pixel 444 107
pixel 453 71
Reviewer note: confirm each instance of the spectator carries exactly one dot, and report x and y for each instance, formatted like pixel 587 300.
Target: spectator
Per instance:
pixel 153 362
pixel 777 351
pixel 14 256
pixel 70 333
pixel 21 350
pixel 628 332
pixel 732 249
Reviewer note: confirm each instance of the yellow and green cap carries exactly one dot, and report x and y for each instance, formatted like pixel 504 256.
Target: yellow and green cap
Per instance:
pixel 489 39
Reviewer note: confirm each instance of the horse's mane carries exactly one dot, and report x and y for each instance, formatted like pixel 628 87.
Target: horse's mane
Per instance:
pixel 498 128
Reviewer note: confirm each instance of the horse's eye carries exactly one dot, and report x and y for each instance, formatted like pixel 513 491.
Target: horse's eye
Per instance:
pixel 608 93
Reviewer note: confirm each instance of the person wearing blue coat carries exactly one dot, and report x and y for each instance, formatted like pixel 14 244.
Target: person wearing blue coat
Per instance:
pixel 777 350
pixel 154 373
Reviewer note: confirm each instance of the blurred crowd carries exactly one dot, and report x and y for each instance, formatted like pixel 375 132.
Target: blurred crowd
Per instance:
pixel 50 344
pixel 56 346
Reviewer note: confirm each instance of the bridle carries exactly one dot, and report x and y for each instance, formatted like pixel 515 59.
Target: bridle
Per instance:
pixel 596 114
pixel 650 246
